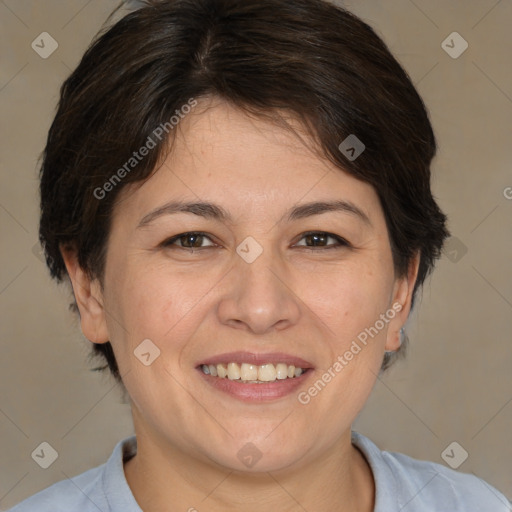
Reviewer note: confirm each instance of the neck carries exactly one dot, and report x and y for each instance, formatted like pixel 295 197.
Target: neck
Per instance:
pixel 163 476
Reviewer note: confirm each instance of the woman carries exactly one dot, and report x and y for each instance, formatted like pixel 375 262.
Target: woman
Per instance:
pixel 239 193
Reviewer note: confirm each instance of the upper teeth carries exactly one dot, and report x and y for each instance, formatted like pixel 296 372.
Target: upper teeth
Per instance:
pixel 251 372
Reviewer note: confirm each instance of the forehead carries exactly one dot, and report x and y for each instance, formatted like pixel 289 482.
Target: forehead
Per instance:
pixel 251 165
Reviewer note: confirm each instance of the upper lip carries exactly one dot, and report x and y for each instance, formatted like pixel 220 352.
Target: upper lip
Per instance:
pixel 257 359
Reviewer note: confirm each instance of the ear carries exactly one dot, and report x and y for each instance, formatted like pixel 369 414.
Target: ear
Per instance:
pixel 401 302
pixel 88 296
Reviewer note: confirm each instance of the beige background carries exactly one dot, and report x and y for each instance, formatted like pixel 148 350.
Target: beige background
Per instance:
pixel 456 383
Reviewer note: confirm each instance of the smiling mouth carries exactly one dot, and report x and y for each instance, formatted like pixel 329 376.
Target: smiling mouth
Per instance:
pixel 248 373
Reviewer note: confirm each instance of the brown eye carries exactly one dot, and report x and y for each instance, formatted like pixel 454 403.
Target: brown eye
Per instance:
pixel 190 240
pixel 319 239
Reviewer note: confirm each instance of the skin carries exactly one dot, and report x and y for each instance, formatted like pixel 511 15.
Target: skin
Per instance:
pixel 193 305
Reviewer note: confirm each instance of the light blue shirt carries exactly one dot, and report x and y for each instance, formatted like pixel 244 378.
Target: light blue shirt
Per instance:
pixel 403 484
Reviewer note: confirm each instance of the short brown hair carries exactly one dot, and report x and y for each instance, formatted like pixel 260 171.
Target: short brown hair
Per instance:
pixel 309 58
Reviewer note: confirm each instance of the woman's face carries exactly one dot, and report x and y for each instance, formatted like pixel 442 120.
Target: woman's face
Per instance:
pixel 269 283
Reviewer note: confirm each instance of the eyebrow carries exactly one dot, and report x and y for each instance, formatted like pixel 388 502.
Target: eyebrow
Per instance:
pixel 217 212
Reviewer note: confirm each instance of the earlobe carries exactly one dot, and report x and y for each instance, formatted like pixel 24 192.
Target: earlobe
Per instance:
pixel 402 296
pixel 88 297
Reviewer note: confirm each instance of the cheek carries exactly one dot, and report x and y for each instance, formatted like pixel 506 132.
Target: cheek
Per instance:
pixel 350 298
pixel 151 301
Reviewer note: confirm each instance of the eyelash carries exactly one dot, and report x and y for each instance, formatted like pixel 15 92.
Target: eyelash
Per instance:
pixel 341 241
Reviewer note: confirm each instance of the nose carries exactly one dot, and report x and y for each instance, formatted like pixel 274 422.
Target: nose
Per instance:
pixel 259 296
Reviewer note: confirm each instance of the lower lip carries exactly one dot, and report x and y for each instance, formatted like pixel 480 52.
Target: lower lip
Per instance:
pixel 256 392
